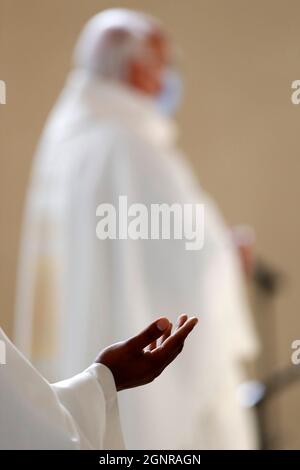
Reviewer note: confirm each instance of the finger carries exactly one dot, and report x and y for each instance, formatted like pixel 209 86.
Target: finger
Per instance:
pixel 152 346
pixel 162 360
pixel 150 334
pixel 166 334
pixel 183 331
pixel 172 356
pixel 177 339
pixel 181 320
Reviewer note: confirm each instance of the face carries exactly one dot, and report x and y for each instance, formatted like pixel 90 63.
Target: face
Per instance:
pixel 146 75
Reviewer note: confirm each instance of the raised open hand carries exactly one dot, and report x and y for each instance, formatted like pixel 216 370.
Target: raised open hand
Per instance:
pixel 142 358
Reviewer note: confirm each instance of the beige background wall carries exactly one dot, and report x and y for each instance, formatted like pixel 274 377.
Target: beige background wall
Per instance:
pixel 238 125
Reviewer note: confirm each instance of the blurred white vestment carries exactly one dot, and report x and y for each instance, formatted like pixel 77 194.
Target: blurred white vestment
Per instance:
pixel 77 293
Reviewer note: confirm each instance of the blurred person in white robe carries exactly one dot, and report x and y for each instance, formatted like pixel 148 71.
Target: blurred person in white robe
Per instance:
pixel 110 134
pixel 81 412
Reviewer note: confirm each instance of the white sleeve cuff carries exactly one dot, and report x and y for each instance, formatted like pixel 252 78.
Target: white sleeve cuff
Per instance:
pixel 113 438
pixel 106 380
pixel 91 399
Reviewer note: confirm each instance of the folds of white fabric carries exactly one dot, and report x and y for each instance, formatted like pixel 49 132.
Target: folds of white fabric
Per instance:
pixel 77 292
pixel 79 413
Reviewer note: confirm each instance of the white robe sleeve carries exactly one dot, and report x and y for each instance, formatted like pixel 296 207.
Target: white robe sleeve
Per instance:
pixel 79 413
pixel 89 395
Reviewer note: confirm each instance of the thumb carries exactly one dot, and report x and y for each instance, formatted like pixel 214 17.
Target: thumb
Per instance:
pixel 150 334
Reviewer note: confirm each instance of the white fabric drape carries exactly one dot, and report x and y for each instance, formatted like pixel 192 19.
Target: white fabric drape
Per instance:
pixel 76 292
pixel 78 413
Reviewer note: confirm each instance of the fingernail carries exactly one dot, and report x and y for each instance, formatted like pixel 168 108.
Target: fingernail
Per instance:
pixel 162 324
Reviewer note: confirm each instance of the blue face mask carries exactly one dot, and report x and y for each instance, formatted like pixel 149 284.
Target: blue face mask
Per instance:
pixel 169 97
